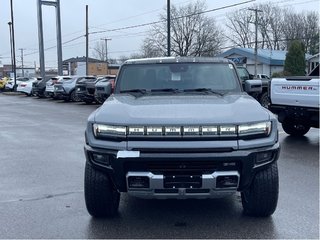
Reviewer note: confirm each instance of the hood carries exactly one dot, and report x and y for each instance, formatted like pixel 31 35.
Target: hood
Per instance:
pixel 125 109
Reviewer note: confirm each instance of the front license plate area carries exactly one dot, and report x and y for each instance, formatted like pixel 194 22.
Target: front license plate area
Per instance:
pixel 182 181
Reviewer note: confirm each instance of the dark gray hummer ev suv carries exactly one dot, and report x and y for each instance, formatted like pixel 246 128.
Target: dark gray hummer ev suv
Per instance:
pixel 181 128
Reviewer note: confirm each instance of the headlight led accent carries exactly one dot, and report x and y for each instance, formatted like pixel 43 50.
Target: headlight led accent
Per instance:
pixel 101 129
pixel 228 130
pixel 254 129
pixel 173 131
pixel 136 131
pixel 191 130
pixel 156 131
pixel 209 130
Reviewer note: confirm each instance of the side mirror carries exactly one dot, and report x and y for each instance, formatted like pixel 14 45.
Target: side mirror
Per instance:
pixel 253 86
pixel 251 76
pixel 108 89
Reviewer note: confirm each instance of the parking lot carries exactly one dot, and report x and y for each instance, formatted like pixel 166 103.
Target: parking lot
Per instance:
pixel 41 186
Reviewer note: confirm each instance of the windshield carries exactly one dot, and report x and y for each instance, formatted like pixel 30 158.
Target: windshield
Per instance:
pixel 219 77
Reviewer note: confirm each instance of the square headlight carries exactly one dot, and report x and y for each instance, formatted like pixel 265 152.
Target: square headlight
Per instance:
pixel 263 128
pixel 106 130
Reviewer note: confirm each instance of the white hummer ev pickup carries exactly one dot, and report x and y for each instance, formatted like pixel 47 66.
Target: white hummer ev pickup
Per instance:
pixel 296 101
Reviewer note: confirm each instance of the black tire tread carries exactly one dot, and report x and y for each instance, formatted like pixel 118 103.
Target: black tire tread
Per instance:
pixel 102 200
pixel 290 129
pixel 261 198
pixel 261 98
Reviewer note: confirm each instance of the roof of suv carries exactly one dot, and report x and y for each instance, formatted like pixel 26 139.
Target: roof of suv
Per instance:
pixel 177 59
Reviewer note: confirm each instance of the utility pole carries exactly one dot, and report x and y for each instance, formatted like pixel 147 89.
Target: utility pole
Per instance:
pixel 22 67
pixel 106 42
pixel 13 47
pixel 55 4
pixel 10 30
pixel 87 42
pixel 59 38
pixel 256 40
pixel 168 29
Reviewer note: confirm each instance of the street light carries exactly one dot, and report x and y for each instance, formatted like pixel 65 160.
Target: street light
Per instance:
pixel 10 30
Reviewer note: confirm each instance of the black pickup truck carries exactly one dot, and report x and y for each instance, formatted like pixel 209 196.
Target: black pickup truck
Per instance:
pixel 263 96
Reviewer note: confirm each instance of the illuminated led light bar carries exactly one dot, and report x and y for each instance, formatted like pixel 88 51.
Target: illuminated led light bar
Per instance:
pixel 136 131
pixel 262 128
pixel 191 130
pixel 172 131
pixel 154 131
pixel 209 130
pixel 228 130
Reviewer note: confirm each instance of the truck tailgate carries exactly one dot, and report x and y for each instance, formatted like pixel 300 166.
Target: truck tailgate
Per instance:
pixel 303 92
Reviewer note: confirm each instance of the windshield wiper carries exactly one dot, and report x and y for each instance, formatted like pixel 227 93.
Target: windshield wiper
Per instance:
pixel 166 90
pixel 205 90
pixel 137 90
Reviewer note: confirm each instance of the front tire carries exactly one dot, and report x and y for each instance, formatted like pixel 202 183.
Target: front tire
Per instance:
pixel 295 129
pixel 74 97
pixel 264 100
pixel 102 200
pixel 261 198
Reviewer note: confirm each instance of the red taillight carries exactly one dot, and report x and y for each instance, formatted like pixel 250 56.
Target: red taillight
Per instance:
pixel 112 84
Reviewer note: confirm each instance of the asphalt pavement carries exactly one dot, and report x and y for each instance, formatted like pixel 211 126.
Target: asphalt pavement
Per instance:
pixel 41 186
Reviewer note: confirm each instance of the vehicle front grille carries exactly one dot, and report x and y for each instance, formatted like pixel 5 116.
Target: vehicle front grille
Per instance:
pixel 81 88
pixel 90 90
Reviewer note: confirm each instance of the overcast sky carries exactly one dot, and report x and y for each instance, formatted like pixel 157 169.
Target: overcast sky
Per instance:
pixel 103 15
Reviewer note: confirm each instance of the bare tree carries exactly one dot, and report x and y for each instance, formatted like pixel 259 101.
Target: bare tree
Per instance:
pixel 99 51
pixel 192 33
pixel 277 28
pixel 241 31
pixel 311 32
pixel 270 24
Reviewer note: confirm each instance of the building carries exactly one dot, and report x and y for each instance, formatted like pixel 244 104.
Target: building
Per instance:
pixel 269 61
pixel 77 66
pixel 313 62
pixel 26 71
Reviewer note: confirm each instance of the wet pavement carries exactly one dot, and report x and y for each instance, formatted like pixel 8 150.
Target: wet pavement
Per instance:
pixel 41 186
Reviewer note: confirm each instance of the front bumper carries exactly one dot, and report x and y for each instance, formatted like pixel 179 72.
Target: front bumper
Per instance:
pixel 84 96
pixel 101 95
pixel 39 91
pixel 61 94
pixel 158 166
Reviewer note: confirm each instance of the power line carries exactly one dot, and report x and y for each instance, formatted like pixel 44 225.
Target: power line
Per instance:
pixel 161 21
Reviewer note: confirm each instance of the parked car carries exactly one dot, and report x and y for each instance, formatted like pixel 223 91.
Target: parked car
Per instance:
pixel 85 88
pixel 26 87
pixel 263 76
pixel 66 89
pixel 10 84
pixel 49 92
pixel 39 87
pixel 101 92
pixel 3 83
